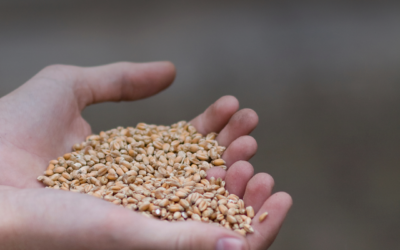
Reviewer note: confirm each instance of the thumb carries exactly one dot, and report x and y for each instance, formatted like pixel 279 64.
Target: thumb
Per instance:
pixel 191 235
pixel 122 81
pixel 125 81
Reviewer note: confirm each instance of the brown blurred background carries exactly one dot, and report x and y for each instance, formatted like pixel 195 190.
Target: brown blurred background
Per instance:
pixel 324 77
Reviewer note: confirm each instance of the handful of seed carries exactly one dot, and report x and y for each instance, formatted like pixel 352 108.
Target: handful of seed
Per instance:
pixel 159 171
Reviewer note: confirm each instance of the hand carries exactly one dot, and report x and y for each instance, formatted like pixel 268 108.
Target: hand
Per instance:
pixel 42 120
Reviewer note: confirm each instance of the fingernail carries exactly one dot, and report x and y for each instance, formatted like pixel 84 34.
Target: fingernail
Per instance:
pixel 229 244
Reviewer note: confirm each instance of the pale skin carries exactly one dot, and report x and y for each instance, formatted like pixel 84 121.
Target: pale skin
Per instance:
pixel 42 119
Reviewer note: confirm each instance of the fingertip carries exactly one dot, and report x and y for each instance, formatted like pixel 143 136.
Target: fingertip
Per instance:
pixel 224 108
pixel 216 172
pixel 171 66
pixel 162 72
pixel 251 143
pixel 241 168
pixel 215 117
pixel 243 122
pixel 247 116
pixel 241 149
pixel 264 181
pixel 283 200
pixel 229 102
pixel 251 146
pixel 168 67
pixel 252 116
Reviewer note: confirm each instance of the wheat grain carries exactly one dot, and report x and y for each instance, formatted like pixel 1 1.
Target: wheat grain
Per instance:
pixel 263 216
pixel 159 171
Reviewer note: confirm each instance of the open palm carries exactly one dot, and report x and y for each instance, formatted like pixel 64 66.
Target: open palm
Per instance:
pixel 42 120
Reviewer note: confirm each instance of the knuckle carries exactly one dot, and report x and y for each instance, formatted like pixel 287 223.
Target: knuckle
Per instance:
pixel 59 73
pixel 57 69
pixel 54 67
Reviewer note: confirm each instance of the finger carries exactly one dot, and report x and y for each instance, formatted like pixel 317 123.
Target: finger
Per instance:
pixel 127 81
pixel 216 116
pixel 241 149
pixel 266 231
pixel 237 176
pixel 216 172
pixel 122 81
pixel 242 123
pixel 242 170
pixel 258 190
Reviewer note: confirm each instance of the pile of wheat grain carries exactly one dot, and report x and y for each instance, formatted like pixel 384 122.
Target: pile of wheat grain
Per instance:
pixel 159 171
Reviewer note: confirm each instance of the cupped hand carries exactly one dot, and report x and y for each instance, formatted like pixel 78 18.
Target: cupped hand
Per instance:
pixel 42 119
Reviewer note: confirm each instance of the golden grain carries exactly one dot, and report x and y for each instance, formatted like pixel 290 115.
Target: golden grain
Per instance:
pixel 159 171
pixel 263 216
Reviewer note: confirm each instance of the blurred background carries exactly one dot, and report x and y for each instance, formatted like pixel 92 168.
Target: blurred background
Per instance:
pixel 324 77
